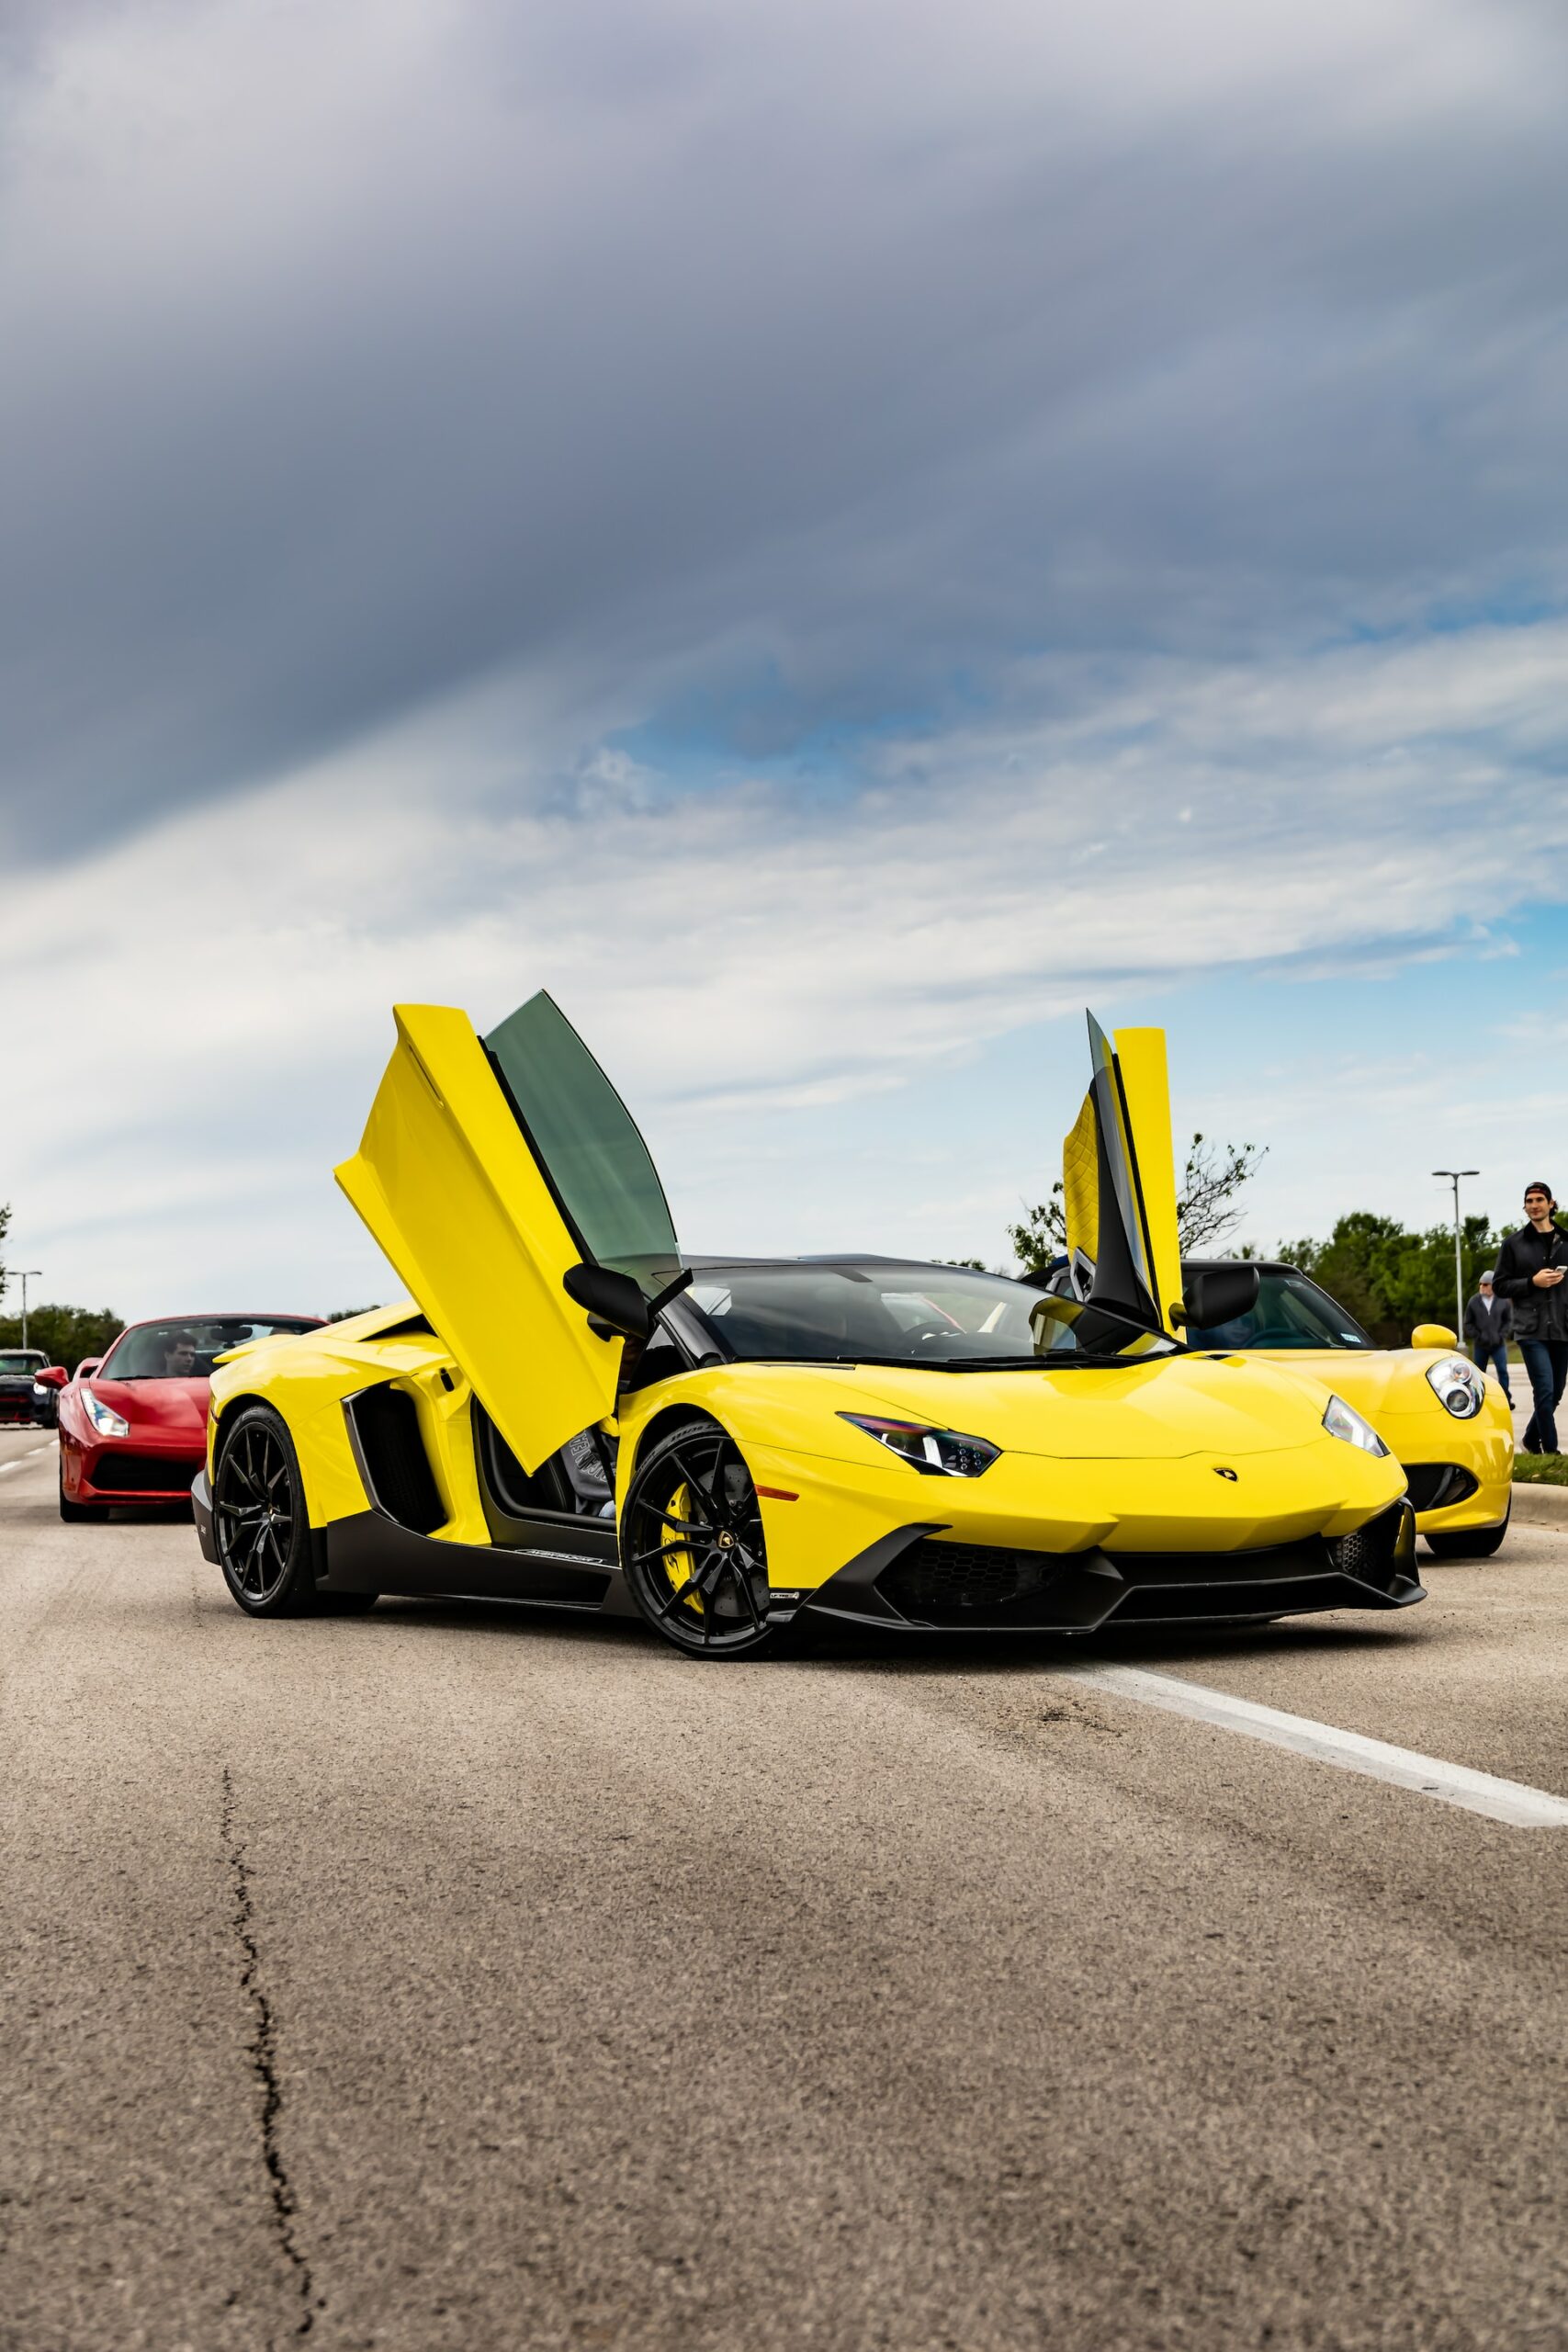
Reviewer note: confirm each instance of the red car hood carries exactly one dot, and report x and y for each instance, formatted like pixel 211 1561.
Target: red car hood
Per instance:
pixel 178 1407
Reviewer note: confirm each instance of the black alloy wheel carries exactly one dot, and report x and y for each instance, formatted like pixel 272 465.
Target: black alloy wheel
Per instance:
pixel 691 1545
pixel 258 1516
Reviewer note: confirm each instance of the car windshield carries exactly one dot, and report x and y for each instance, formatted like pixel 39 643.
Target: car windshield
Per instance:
pixel 863 1310
pixel 1290 1312
pixel 188 1350
pixel 15 1360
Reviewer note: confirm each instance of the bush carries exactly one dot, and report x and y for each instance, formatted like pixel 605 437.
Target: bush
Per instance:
pixel 65 1334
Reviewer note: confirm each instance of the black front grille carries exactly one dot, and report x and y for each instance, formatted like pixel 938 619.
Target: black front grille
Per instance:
pixel 1371 1553
pixel 1283 1596
pixel 937 1579
pixel 144 1473
pixel 1435 1485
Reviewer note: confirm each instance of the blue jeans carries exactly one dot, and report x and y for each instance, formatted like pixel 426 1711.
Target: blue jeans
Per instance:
pixel 1546 1361
pixel 1492 1356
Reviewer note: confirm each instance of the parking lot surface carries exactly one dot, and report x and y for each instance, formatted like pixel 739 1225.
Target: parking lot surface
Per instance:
pixel 468 1978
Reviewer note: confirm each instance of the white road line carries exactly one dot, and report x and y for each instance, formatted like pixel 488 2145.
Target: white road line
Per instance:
pixel 1510 1801
pixel 19 1461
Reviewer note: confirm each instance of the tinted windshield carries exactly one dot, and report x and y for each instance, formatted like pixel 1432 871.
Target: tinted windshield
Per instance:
pixel 1291 1313
pixel 586 1143
pixel 188 1350
pixel 12 1360
pixel 857 1311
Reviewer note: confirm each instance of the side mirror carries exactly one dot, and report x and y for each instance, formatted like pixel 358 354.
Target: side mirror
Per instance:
pixel 1432 1335
pixel 53 1375
pixel 1218 1296
pixel 617 1308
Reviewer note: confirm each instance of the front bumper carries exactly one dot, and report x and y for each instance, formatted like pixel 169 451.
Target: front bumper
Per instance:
pixel 19 1408
pixel 122 1471
pixel 916 1579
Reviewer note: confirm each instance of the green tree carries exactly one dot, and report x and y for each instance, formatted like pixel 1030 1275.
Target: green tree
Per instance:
pixel 1392 1279
pixel 66 1334
pixel 1208 1204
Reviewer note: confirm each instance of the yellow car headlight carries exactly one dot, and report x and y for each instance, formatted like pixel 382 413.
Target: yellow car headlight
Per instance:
pixel 1342 1421
pixel 1459 1387
pixel 937 1453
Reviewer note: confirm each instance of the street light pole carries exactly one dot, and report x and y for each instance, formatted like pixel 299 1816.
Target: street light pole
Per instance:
pixel 1454 1174
pixel 28 1273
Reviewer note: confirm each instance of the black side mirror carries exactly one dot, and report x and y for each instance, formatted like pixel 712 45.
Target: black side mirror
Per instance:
pixel 617 1308
pixel 1218 1296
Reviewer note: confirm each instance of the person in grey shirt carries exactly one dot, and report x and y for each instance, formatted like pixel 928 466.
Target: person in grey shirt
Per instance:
pixel 1488 1326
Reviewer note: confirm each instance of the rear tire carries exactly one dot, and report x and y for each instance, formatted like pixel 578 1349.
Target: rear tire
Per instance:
pixel 1460 1544
pixel 692 1547
pixel 259 1521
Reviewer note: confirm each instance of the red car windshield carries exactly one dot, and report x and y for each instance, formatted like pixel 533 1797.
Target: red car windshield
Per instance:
pixel 188 1350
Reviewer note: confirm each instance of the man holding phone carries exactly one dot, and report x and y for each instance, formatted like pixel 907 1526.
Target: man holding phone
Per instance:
pixel 1533 1271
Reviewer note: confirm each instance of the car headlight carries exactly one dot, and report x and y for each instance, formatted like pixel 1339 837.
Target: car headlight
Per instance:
pixel 1459 1386
pixel 938 1454
pixel 105 1419
pixel 1343 1420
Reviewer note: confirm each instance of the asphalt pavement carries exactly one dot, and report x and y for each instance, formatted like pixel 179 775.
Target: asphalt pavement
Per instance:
pixel 468 1978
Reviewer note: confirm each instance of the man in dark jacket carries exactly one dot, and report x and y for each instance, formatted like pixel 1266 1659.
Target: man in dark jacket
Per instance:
pixel 1488 1326
pixel 1532 1275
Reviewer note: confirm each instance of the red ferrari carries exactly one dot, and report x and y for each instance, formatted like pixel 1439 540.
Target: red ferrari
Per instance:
pixel 133 1423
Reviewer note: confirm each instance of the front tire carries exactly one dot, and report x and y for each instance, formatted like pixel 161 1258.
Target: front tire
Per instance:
pixel 1461 1544
pixel 259 1518
pixel 692 1546
pixel 72 1513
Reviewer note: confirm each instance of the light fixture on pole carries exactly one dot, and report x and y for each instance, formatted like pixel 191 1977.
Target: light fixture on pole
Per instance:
pixel 1453 1174
pixel 28 1273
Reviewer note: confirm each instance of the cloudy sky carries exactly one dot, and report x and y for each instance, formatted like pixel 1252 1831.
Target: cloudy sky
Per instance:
pixel 831 536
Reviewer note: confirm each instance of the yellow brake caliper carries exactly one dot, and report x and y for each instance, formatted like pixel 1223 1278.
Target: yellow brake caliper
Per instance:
pixel 678 1563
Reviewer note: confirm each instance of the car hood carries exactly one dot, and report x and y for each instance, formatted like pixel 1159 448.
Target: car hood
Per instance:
pixel 1381 1380
pixel 1179 1406
pixel 171 1404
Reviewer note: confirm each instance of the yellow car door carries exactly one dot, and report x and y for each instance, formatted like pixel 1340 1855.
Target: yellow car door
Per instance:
pixel 490 1166
pixel 1119 1179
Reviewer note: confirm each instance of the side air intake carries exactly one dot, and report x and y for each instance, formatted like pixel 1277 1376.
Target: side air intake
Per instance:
pixel 383 1424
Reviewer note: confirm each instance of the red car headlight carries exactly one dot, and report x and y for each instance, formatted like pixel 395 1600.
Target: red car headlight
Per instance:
pixel 105 1419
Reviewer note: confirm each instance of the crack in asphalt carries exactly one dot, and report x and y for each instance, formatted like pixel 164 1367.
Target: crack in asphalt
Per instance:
pixel 262 2051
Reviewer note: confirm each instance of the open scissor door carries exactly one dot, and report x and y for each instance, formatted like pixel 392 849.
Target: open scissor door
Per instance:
pixel 1118 1181
pixel 488 1168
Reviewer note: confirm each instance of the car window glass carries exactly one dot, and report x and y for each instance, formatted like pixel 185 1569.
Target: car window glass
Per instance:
pixel 856 1309
pixel 1290 1312
pixel 187 1350
pixel 586 1143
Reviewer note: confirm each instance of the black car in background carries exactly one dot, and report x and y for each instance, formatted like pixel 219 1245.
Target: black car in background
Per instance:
pixel 19 1369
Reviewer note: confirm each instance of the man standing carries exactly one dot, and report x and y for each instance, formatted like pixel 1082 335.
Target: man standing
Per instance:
pixel 1488 1326
pixel 1531 1267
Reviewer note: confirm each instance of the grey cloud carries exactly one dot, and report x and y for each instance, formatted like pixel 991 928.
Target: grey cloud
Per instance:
pixel 359 353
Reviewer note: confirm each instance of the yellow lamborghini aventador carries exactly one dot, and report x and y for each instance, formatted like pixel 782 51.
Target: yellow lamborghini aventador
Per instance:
pixel 572 1412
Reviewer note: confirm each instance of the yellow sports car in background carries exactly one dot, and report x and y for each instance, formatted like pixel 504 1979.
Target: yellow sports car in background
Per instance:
pixel 571 1413
pixel 1447 1425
